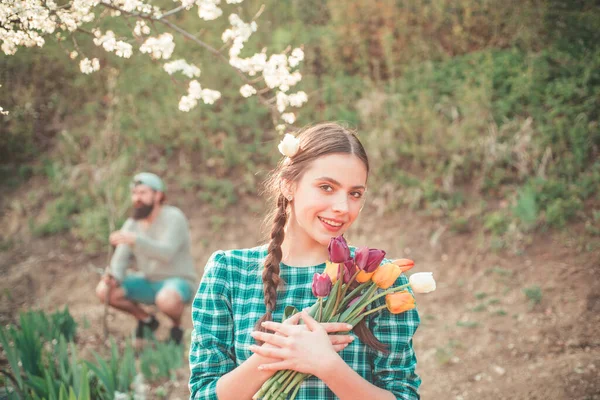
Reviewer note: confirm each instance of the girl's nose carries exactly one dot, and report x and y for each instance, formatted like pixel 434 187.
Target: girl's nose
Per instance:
pixel 340 204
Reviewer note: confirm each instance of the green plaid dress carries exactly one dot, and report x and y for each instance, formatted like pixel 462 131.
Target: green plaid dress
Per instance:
pixel 230 300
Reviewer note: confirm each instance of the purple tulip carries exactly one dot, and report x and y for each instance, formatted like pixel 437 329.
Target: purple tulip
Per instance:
pixel 374 259
pixel 361 257
pixel 338 250
pixel 349 270
pixel 321 285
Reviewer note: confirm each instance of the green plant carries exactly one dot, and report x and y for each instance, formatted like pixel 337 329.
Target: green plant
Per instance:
pixel 533 294
pixel 118 373
pixel 160 360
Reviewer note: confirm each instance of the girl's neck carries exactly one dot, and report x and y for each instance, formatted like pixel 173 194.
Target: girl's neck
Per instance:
pixel 300 250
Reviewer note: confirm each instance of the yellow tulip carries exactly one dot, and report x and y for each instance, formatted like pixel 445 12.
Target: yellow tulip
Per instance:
pixel 386 275
pixel 332 269
pixel 363 276
pixel 400 301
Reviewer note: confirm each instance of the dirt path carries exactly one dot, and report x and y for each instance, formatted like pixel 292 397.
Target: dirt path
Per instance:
pixel 481 337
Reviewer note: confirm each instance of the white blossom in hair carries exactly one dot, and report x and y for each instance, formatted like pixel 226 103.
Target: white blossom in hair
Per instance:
pixel 289 146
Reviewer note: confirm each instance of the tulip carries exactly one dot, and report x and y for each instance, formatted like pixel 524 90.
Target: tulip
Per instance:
pixel 375 258
pixel 386 275
pixel 361 256
pixel 348 270
pixel 400 301
pixel 422 282
pixel 332 270
pixel 321 285
pixel 338 250
pixel 363 276
pixel 404 263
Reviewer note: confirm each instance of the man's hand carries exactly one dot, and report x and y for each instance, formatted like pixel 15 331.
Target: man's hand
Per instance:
pixel 110 280
pixel 122 237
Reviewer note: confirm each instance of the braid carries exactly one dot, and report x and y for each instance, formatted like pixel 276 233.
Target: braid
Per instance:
pixel 270 275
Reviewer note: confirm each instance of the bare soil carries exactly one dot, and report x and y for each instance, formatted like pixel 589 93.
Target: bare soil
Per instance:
pixel 481 336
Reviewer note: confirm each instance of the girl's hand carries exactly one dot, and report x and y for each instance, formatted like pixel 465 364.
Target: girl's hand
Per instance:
pixel 304 348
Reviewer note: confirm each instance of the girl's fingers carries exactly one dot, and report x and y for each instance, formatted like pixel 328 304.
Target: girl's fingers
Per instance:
pixel 276 366
pixel 340 347
pixel 276 340
pixel 310 322
pixel 331 327
pixel 341 339
pixel 293 320
pixel 270 352
pixel 284 329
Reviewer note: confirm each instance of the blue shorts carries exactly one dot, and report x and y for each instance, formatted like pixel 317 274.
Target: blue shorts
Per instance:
pixel 142 290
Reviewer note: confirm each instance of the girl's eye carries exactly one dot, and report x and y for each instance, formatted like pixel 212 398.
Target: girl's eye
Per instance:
pixel 356 195
pixel 326 188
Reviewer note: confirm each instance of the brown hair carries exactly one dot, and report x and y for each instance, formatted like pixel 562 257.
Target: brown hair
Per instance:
pixel 315 141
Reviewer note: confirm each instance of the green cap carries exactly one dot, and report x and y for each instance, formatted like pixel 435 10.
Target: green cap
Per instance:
pixel 149 179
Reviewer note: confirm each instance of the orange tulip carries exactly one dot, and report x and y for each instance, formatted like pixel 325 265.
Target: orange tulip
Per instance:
pixel 332 269
pixel 400 301
pixel 404 263
pixel 386 275
pixel 363 276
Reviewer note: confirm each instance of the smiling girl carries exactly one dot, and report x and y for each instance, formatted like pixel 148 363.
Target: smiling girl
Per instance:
pixel 237 343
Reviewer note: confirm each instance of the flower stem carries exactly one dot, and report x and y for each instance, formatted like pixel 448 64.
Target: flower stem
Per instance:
pixel 392 290
pixel 297 381
pixel 345 287
pixel 374 310
pixel 295 392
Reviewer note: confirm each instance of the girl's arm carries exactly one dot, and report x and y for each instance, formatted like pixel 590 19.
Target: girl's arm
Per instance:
pixel 347 384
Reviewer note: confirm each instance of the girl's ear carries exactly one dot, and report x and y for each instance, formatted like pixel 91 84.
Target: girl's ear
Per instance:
pixel 288 188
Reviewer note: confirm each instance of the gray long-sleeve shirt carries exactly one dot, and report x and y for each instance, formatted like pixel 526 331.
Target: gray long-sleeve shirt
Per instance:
pixel 161 251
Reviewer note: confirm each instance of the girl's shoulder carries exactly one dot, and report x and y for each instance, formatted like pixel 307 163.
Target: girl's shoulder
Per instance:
pixel 240 258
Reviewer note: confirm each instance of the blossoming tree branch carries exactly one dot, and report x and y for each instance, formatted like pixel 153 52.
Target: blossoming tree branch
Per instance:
pixel 269 77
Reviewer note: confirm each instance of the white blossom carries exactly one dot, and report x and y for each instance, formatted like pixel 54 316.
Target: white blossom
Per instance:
pixel 282 101
pixel 247 90
pixel 289 145
pixel 159 47
pixel 123 49
pixel 88 66
pixel 290 118
pixel 297 99
pixel 295 58
pixel 195 93
pixel 141 28
pixel 189 70
pixel 208 9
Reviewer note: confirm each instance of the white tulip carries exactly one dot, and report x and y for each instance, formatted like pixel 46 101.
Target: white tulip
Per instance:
pixel 289 146
pixel 422 282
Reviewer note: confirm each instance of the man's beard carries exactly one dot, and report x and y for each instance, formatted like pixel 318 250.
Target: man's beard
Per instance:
pixel 142 211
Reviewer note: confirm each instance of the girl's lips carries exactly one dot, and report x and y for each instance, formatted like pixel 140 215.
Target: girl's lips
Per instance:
pixel 330 227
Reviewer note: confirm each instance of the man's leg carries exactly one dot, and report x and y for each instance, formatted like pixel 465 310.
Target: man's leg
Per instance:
pixel 119 301
pixel 168 300
pixel 171 300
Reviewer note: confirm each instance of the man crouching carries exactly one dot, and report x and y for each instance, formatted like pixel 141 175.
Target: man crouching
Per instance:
pixel 158 236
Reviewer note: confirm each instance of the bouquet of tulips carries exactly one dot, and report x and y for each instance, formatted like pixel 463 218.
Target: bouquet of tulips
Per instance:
pixel 344 291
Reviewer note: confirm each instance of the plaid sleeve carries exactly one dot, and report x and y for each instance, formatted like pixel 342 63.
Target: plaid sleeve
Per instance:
pixel 212 348
pixel 395 371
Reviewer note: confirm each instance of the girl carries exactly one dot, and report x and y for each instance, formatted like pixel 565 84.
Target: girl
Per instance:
pixel 318 193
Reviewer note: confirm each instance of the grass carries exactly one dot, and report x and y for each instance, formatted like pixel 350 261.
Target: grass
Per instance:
pixel 510 118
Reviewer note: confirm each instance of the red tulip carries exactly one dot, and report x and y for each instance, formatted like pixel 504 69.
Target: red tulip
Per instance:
pixel 374 259
pixel 321 285
pixel 338 250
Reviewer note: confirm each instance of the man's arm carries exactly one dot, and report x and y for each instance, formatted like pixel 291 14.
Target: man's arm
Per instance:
pixel 122 256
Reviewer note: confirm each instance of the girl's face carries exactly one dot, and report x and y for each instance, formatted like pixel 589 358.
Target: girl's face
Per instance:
pixel 328 197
